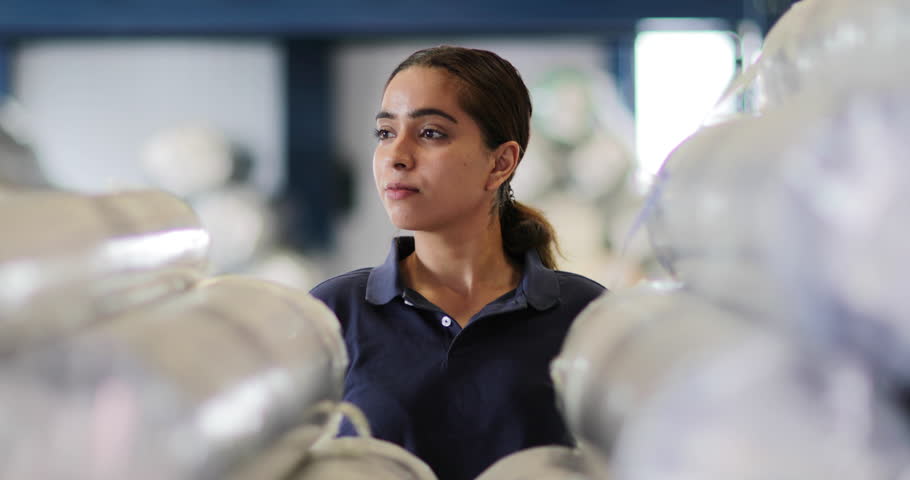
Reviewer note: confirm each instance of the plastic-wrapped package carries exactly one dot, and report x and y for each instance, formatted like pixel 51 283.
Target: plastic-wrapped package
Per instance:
pixel 805 202
pixel 357 458
pixel 621 349
pixel 838 39
pixel 763 411
pixel 361 458
pixel 744 95
pixel 657 384
pixel 240 224
pixel 67 259
pixel 824 43
pixel 795 214
pixel 711 204
pixel 188 160
pixel 540 463
pixel 218 383
pixel 841 245
pixel 285 266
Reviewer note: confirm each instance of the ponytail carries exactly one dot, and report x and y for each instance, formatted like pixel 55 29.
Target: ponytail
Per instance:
pixel 524 228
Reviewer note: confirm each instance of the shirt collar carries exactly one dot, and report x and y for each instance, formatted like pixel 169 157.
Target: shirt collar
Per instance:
pixel 539 284
pixel 384 284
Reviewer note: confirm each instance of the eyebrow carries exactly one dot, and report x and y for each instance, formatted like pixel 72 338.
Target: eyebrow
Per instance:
pixel 422 112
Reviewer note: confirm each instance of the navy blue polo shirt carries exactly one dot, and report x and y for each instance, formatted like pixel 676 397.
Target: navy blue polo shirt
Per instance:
pixel 459 399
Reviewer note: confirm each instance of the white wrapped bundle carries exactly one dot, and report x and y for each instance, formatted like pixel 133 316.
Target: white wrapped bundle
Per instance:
pixel 806 205
pixel 826 43
pixel 540 463
pixel 362 458
pixel 240 224
pixel 67 259
pixel 797 215
pixel 188 160
pixel 748 91
pixel 730 200
pixel 624 347
pixel 218 383
pixel 841 244
pixel 660 385
pixel 762 411
pixel 712 202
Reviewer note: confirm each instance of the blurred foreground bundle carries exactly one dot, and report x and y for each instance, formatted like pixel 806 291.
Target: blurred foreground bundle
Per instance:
pixel 782 348
pixel 122 359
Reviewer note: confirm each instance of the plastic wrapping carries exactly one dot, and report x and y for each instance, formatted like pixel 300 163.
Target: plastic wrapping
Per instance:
pixel 762 411
pixel 713 201
pixel 747 92
pixel 796 215
pixel 240 223
pixel 823 43
pixel 624 346
pixel 805 203
pixel 219 383
pixel 540 463
pixel 657 384
pixel 357 458
pixel 67 259
pixel 188 160
pixel 362 458
pixel 841 247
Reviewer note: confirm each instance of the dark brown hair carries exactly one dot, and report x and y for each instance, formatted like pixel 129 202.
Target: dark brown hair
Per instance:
pixel 494 95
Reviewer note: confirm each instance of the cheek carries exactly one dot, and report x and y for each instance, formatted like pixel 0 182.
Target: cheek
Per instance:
pixel 475 169
pixel 376 169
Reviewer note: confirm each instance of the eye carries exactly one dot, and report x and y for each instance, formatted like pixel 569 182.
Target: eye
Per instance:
pixel 382 134
pixel 432 134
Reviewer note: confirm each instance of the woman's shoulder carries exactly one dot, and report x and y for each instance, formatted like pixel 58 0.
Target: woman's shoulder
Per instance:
pixel 579 285
pixel 346 284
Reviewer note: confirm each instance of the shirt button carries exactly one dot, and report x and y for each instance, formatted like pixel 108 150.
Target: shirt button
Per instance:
pixel 446 321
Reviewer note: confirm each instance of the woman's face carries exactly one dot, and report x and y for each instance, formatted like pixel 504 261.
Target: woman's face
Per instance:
pixel 431 166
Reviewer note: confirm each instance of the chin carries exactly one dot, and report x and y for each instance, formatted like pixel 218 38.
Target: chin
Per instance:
pixel 410 226
pixel 420 220
pixel 412 223
pixel 404 222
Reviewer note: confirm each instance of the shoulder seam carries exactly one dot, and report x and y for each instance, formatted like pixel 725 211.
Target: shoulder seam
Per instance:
pixel 353 273
pixel 581 277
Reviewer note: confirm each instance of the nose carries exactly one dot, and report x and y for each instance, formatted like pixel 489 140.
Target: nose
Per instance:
pixel 398 154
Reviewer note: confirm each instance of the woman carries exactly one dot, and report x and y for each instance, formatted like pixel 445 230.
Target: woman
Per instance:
pixel 450 339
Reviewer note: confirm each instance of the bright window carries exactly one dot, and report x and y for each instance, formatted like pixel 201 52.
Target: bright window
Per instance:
pixel 679 76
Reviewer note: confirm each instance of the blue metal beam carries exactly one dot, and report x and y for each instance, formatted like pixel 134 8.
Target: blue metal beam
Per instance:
pixel 765 12
pixel 341 17
pixel 312 186
pixel 6 87
pixel 621 61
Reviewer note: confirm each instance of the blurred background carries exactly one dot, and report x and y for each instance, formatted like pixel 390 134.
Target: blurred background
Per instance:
pixel 259 114
pixel 740 166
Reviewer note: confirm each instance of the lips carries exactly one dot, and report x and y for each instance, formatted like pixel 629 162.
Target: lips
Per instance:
pixel 398 191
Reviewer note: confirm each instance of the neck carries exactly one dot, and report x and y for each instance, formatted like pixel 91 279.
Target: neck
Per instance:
pixel 466 263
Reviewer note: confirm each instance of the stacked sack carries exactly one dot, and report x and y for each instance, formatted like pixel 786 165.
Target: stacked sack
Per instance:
pixel 783 349
pixel 122 358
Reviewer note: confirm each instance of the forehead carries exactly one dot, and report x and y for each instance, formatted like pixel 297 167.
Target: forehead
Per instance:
pixel 422 87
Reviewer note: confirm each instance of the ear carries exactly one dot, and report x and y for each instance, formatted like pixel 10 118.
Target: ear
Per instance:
pixel 505 160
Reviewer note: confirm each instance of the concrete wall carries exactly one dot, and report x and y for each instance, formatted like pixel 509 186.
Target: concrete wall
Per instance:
pixel 93 103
